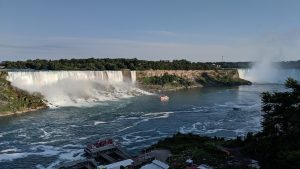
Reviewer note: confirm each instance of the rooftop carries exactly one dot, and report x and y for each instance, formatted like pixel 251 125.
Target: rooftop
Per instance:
pixel 156 165
pixel 117 165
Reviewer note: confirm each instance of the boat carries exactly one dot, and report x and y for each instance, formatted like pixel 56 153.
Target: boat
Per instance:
pixel 164 98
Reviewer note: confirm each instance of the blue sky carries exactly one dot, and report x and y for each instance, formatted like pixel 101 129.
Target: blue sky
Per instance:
pixel 196 30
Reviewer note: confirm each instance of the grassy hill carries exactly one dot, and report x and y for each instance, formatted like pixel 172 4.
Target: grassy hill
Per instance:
pixel 13 100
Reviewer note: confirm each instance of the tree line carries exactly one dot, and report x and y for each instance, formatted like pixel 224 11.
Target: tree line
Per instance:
pixel 132 64
pixel 116 64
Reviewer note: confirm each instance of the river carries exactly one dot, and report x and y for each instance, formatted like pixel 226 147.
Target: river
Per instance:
pixel 46 138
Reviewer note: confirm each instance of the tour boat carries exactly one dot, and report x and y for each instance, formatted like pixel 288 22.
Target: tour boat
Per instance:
pixel 164 98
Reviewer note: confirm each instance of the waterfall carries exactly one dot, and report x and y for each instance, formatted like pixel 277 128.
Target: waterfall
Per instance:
pixel 76 88
pixel 264 76
pixel 133 76
pixel 48 77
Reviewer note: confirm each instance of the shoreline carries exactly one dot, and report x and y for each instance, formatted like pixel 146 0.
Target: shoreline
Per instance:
pixel 19 112
pixel 154 88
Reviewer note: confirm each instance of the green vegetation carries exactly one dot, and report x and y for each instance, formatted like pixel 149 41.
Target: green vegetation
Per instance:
pixel 167 80
pixel 132 64
pixel 105 64
pixel 202 150
pixel 220 79
pixel 14 100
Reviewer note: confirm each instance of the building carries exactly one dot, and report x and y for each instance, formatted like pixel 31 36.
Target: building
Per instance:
pixel 106 152
pixel 128 164
pixel 155 165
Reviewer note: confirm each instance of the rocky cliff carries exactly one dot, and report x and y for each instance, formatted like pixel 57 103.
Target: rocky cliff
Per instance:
pixel 193 78
pixel 187 74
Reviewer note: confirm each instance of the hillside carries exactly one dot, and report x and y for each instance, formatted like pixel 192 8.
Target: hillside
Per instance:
pixel 179 79
pixel 13 100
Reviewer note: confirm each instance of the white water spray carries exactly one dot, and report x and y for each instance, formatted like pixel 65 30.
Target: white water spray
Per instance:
pixel 77 88
pixel 265 72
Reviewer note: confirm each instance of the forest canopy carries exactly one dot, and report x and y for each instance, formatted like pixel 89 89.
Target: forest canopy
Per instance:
pixel 132 64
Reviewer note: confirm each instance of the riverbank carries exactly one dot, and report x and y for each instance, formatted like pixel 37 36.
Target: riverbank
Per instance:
pixel 15 101
pixel 26 110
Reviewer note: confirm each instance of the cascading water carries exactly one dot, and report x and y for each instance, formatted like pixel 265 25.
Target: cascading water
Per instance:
pixel 77 88
pixel 133 76
pixel 268 72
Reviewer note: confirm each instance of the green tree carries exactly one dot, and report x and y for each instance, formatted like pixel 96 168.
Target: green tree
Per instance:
pixel 282 111
pixel 278 145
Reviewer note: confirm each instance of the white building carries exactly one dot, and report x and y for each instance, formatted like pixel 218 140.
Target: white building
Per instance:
pixel 117 165
pixel 156 165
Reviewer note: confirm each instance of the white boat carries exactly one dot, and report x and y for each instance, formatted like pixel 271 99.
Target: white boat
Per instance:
pixel 164 98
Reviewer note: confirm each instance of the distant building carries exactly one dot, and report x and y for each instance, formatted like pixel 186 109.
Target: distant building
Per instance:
pixel 216 65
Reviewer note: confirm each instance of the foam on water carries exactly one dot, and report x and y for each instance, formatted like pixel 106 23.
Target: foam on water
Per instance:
pixel 99 122
pixel 44 151
pixel 144 117
pixel 63 154
pixel 10 150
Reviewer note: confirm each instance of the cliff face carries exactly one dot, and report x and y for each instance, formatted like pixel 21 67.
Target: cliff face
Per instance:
pixel 228 77
pixel 13 100
pixel 187 74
